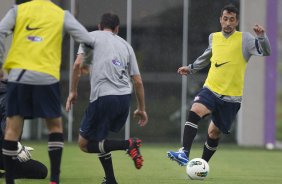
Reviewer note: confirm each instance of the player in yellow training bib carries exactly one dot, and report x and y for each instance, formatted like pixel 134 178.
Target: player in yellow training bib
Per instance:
pixel 228 54
pixel 33 66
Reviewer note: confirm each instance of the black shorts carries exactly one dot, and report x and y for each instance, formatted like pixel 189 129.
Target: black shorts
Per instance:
pixel 33 101
pixel 223 112
pixel 107 113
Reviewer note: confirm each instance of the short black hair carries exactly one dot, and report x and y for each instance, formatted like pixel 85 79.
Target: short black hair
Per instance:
pixel 230 8
pixel 22 1
pixel 109 20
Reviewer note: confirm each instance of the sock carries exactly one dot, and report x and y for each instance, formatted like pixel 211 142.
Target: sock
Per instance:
pixel 190 131
pixel 55 150
pixel 106 161
pixel 10 157
pixel 113 145
pixel 106 146
pixel 210 148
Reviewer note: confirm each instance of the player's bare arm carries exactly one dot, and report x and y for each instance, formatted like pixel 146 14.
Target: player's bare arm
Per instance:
pixel 75 79
pixel 140 112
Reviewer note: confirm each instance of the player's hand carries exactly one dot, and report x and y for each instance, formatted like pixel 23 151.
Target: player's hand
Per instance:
pixel 71 100
pixel 23 154
pixel 259 30
pixel 142 115
pixel 184 70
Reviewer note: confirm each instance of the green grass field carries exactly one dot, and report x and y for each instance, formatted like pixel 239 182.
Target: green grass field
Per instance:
pixel 231 164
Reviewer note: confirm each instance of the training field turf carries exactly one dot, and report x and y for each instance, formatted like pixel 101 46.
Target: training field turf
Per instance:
pixel 230 165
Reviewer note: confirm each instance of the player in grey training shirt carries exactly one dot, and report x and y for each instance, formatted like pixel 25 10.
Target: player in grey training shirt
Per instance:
pixel 112 69
pixel 114 63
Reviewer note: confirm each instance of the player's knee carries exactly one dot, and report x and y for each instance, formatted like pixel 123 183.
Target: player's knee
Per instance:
pixel 200 109
pixel 82 143
pixel 83 146
pixel 54 125
pixel 214 134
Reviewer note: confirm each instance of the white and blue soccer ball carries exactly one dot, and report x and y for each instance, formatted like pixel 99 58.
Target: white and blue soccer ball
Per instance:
pixel 197 169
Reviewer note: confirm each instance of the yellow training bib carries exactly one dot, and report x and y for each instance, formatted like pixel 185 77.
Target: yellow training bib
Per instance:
pixel 37 40
pixel 227 71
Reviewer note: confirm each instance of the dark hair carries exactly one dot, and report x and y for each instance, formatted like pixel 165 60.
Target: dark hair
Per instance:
pixel 230 8
pixel 109 20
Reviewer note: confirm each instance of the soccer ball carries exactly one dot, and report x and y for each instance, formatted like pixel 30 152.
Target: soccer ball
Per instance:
pixel 197 169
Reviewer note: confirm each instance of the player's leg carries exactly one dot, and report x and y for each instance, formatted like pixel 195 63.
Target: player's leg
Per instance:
pixel 106 161
pixel 91 139
pixel 17 97
pixel 13 131
pixel 108 113
pixel 104 148
pixel 105 157
pixel 202 106
pixel 46 104
pixel 196 113
pixel 212 141
pixel 31 169
pixel 115 114
pixel 55 147
pixel 222 118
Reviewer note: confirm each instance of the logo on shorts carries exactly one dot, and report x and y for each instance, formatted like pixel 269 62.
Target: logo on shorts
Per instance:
pixel 196 98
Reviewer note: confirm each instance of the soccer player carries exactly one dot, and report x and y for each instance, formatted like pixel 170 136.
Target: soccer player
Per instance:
pixel 228 54
pixel 113 67
pixel 33 66
pixel 25 166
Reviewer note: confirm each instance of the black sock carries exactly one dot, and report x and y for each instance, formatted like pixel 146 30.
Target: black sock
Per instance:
pixel 93 147
pixel 209 148
pixel 55 150
pixel 106 146
pixel 106 161
pixel 10 157
pixel 190 131
pixel 113 145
